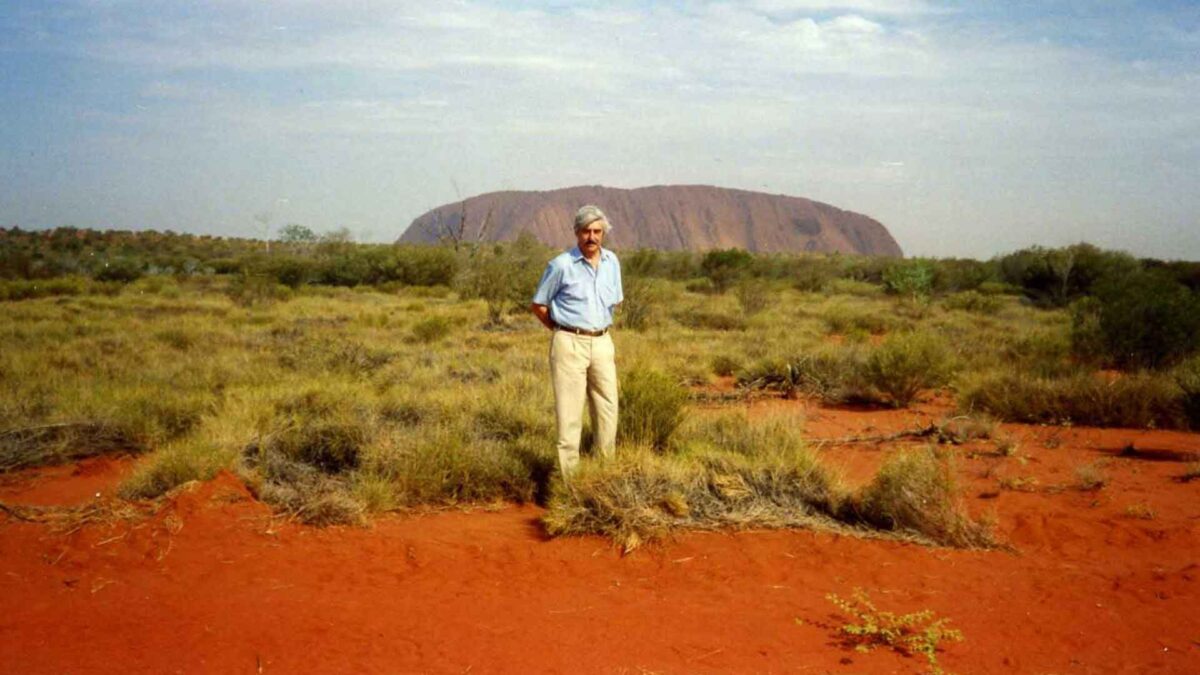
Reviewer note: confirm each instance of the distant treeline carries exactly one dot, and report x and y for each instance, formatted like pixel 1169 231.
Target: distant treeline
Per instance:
pixel 1046 276
pixel 1130 312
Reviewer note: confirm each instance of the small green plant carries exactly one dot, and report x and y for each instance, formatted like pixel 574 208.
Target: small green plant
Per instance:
pixel 1019 483
pixel 918 633
pixel 1191 473
pixel 1090 477
pixel 1141 511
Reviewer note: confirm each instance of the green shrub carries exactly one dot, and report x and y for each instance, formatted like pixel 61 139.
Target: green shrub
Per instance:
pixel 753 295
pixel 247 289
pixel 724 365
pixel 640 304
pixel 905 364
pixel 725 267
pixel 652 408
pixel 123 270
pixel 1137 401
pixel 1141 320
pixel 1187 376
pixel 700 319
pixel 854 287
pixel 911 279
pixel 845 319
pixel 974 301
pixel 812 274
pixel 432 329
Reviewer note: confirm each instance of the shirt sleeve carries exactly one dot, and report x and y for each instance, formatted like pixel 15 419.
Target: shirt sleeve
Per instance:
pixel 549 285
pixel 617 283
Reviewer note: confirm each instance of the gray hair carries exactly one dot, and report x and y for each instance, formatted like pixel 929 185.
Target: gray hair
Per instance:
pixel 589 214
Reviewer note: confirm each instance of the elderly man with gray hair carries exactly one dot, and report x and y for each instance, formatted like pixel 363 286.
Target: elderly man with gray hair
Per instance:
pixel 575 299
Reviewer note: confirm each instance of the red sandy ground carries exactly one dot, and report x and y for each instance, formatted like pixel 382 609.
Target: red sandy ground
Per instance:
pixel 1102 582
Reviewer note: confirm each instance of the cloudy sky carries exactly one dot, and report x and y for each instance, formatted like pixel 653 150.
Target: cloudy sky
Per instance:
pixel 967 128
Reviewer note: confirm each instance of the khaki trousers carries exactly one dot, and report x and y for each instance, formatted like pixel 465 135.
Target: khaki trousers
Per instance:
pixel 582 366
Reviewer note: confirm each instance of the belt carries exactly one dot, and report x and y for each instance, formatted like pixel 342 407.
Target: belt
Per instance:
pixel 580 331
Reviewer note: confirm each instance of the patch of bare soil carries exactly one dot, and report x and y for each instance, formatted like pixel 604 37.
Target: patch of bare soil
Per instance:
pixel 1102 581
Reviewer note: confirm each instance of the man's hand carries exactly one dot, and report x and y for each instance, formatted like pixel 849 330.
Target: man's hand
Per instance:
pixel 542 312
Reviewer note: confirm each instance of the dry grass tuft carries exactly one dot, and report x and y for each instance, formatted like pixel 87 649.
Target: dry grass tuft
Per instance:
pixel 47 444
pixel 915 492
pixel 641 496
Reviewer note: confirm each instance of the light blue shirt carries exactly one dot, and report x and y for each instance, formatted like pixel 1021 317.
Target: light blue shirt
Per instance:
pixel 578 294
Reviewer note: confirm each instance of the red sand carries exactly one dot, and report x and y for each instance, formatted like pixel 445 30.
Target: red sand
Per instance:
pixel 1103 582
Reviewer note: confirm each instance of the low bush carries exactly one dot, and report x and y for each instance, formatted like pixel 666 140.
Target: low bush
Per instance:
pixel 700 319
pixel 248 290
pixel 830 373
pixel 638 310
pixel 906 363
pixel 1187 377
pixel 652 408
pixel 432 329
pixel 910 279
pixel 724 268
pixel 974 301
pixel 855 287
pixel 1137 401
pixel 1140 320
pixel 724 365
pixel 845 319
pixel 915 492
pixel 753 296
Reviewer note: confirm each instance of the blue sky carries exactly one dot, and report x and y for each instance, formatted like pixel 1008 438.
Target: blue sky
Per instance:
pixel 968 129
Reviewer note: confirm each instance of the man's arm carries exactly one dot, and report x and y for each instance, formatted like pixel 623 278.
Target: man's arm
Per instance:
pixel 542 312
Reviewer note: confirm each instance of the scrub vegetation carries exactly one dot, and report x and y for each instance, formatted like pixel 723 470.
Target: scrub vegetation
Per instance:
pixel 342 380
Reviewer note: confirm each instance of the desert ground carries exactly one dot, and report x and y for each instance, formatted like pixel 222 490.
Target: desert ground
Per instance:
pixel 340 458
pixel 1100 580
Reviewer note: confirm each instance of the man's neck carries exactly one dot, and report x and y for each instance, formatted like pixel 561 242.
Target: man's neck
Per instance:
pixel 593 260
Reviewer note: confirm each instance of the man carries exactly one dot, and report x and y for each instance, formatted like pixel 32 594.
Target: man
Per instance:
pixel 575 300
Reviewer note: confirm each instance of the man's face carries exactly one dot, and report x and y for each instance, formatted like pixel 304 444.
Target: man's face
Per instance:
pixel 590 238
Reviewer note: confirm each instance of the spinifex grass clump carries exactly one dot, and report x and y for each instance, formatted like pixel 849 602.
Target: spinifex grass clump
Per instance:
pixel 729 473
pixel 652 405
pixel 915 493
pixel 46 444
pixel 905 364
pixel 640 495
pixel 302 461
pixel 830 373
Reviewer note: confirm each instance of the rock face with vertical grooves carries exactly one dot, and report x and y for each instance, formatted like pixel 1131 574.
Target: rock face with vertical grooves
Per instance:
pixel 667 217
